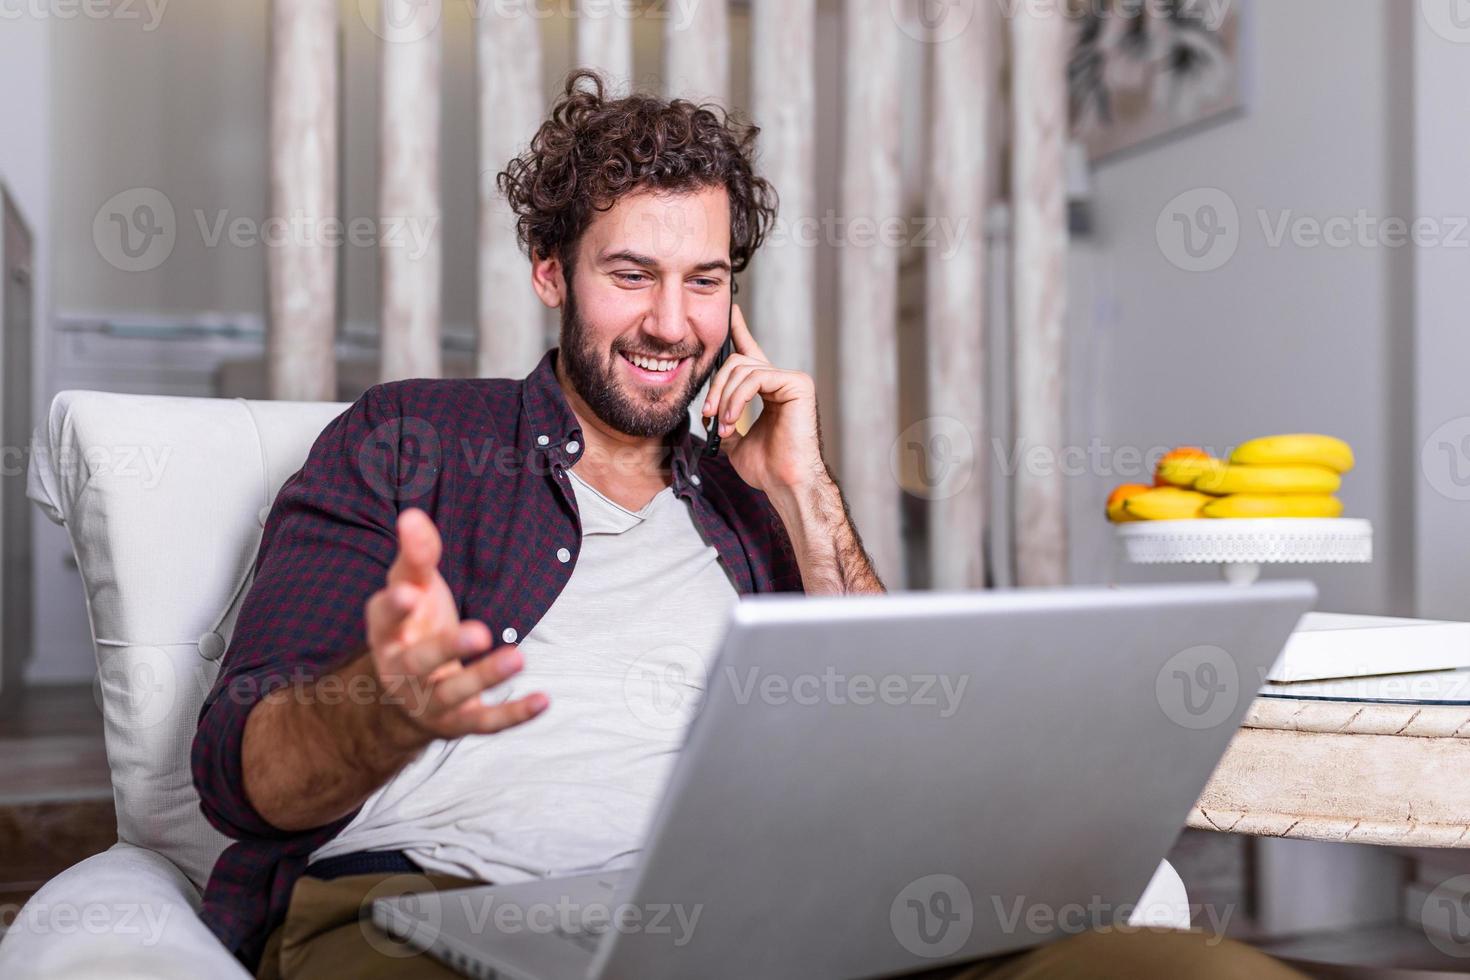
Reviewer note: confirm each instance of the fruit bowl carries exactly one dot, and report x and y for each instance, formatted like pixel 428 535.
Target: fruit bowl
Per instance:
pixel 1242 545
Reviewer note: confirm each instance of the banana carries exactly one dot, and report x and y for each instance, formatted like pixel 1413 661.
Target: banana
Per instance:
pixel 1236 478
pixel 1274 505
pixel 1183 471
pixel 1300 448
pixel 1165 504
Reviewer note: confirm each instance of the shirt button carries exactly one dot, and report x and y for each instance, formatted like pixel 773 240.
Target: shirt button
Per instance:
pixel 694 478
pixel 573 446
pixel 542 440
pixel 563 555
pixel 509 634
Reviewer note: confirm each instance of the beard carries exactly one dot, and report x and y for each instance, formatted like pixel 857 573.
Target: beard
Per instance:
pixel 636 411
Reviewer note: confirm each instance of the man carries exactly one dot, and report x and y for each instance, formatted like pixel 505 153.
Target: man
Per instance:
pixel 567 523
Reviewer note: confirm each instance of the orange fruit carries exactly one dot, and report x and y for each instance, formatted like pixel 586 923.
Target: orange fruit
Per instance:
pixel 1116 513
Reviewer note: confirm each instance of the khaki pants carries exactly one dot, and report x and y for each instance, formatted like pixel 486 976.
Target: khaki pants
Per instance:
pixel 329 932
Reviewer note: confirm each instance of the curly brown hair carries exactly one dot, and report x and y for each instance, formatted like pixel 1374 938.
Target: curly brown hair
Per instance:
pixel 592 150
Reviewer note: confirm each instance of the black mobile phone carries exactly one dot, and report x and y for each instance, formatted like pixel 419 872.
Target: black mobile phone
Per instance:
pixel 712 430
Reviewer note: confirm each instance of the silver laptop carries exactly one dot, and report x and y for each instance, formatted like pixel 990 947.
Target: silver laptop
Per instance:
pixel 875 786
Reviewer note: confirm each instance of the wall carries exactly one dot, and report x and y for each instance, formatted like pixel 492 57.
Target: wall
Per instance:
pixel 1278 339
pixel 1441 444
pixel 26 169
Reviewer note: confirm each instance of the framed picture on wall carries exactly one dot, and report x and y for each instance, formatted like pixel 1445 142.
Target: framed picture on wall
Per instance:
pixel 1143 70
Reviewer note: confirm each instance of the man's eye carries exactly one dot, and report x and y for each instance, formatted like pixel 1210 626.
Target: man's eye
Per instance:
pixel 630 277
pixel 705 282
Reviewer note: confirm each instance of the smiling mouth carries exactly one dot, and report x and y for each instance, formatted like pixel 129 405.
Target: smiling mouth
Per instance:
pixel 661 366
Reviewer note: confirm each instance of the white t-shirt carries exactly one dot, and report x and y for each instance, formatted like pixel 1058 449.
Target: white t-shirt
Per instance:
pixel 622 654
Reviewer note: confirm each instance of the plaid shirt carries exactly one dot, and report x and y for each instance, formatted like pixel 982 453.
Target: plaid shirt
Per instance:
pixel 487 459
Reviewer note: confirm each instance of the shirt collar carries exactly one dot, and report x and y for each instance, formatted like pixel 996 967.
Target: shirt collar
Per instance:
pixel 549 416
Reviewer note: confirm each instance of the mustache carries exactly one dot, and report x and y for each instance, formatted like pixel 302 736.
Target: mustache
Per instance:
pixel 662 353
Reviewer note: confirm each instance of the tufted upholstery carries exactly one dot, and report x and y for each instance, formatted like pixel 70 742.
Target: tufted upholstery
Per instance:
pixel 164 499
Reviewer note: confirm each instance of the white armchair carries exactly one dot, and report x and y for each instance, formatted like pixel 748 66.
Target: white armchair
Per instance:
pixel 164 499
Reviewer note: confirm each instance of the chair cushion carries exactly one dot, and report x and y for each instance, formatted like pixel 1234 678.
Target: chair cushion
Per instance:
pixel 164 499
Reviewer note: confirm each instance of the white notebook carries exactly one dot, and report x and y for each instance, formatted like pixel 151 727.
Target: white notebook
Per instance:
pixel 1330 645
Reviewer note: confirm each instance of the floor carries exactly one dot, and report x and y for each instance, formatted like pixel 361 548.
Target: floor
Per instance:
pixel 55 794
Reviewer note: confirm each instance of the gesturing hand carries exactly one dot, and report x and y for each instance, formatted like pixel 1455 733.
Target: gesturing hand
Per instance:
pixel 416 640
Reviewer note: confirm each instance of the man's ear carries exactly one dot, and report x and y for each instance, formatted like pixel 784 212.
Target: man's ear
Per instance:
pixel 548 279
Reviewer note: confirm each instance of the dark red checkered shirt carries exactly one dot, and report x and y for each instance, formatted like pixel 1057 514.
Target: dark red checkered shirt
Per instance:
pixel 487 459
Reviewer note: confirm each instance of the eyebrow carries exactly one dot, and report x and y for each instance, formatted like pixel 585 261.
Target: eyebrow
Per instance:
pixel 647 262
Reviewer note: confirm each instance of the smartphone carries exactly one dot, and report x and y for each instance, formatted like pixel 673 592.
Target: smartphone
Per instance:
pixel 712 431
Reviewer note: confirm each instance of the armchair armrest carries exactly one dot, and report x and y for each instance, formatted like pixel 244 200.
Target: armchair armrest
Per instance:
pixel 126 912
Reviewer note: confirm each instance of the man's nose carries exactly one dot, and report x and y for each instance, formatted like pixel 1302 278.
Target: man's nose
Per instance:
pixel 669 321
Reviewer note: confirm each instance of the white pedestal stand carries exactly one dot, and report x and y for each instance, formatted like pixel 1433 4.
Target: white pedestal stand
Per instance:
pixel 1240 546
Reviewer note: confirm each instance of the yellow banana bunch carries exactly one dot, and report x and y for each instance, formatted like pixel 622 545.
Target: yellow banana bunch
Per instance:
pixel 1278 476
pixel 1165 504
pixel 1237 478
pixel 1298 449
pixel 1273 505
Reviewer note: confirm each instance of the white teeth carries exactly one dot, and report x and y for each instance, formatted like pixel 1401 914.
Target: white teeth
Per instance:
pixel 650 364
